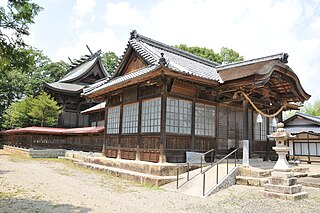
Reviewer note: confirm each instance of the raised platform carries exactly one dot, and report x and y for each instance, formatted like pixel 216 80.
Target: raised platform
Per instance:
pixel 138 171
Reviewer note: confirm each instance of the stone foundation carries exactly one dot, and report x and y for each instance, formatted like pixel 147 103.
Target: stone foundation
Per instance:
pixel 158 169
pixel 35 153
pixel 283 185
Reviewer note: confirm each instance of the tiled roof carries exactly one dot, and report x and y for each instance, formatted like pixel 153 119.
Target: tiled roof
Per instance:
pixel 281 56
pixel 78 71
pixel 97 107
pixel 65 86
pixel 314 119
pixel 177 59
pixel 102 85
pixel 151 50
pixel 302 129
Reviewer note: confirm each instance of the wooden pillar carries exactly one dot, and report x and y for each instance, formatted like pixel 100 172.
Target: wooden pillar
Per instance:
pixel 139 131
pixel 193 121
pixel 164 95
pixel 245 120
pixel 120 132
pixel 268 140
pixel 216 130
pixel 104 144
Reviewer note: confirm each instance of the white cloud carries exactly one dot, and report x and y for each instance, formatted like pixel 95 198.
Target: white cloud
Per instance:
pixel 123 14
pixel 105 40
pixel 84 12
pixel 253 28
pixel 84 7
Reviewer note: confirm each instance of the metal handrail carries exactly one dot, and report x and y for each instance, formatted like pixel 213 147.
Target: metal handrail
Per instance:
pixel 217 164
pixel 188 164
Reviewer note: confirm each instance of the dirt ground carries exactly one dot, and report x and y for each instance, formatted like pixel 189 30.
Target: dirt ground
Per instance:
pixel 29 185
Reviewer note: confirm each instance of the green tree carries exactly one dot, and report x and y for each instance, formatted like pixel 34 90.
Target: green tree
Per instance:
pixel 41 110
pixel 226 55
pixel 14 24
pixel 202 52
pixel 44 110
pixel 312 108
pixel 110 61
pixel 229 55
pixel 17 114
pixel 15 59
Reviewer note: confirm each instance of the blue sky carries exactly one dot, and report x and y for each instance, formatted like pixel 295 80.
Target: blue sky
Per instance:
pixel 252 28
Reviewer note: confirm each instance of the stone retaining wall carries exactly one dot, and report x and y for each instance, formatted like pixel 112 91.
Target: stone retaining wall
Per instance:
pixel 159 169
pixel 35 153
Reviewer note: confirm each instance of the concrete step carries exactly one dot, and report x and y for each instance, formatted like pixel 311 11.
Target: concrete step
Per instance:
pixel 137 177
pixel 251 181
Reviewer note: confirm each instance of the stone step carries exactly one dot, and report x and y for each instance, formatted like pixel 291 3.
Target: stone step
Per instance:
pixel 292 197
pixel 300 174
pixel 137 177
pixel 254 172
pixel 309 182
pixel 251 181
pixel 314 175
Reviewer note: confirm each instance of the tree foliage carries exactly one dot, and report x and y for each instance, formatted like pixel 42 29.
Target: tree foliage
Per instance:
pixel 17 83
pixel 110 61
pixel 226 55
pixel 309 109
pixel 229 55
pixel 312 108
pixel 14 24
pixel 41 110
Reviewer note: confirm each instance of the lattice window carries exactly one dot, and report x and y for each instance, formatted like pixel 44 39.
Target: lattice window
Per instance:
pixel 178 116
pixel 130 118
pixel 113 120
pixel 151 115
pixel 205 120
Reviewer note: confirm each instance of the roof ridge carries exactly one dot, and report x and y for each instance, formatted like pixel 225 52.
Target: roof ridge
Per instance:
pixel 283 57
pixel 172 49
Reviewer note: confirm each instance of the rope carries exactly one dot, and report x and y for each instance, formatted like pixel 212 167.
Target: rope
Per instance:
pixel 256 108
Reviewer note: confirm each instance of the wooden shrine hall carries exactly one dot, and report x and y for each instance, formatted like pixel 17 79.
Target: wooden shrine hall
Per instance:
pixel 67 91
pixel 162 102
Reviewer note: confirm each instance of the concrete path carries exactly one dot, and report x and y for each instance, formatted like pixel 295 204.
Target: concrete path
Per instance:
pixel 195 186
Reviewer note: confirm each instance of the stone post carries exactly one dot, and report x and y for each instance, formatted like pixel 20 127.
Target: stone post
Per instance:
pixel 245 158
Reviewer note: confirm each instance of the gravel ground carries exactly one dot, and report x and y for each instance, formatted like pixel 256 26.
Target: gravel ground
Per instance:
pixel 28 185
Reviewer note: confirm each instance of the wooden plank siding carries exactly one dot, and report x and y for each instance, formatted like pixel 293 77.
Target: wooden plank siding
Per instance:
pixel 92 143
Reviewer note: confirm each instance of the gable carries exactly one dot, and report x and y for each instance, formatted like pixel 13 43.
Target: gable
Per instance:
pixel 93 75
pixel 134 64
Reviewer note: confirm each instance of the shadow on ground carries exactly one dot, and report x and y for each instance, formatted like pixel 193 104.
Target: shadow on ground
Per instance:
pixel 12 204
pixel 4 171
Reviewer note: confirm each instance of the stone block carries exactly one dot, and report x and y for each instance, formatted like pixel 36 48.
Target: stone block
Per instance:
pixel 282 174
pixel 292 197
pixel 283 189
pixel 283 181
pixel 251 181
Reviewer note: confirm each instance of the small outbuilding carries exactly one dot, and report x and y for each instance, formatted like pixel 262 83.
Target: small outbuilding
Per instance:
pixel 306 145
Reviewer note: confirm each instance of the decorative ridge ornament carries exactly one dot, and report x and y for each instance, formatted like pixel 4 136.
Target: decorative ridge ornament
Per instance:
pixel 162 60
pixel 133 34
